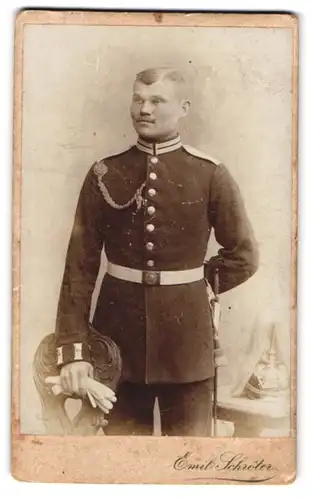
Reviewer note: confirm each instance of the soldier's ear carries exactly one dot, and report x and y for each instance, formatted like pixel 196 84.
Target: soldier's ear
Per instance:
pixel 186 106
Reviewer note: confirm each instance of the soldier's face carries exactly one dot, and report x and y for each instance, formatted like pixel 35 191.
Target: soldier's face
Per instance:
pixel 157 108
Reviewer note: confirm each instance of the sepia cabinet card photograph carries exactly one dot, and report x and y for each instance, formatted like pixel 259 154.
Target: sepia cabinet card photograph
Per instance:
pixel 154 247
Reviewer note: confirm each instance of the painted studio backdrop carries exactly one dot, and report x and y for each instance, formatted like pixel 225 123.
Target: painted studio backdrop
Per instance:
pixel 77 83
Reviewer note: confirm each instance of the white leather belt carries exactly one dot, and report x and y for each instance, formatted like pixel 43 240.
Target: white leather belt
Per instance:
pixel 150 277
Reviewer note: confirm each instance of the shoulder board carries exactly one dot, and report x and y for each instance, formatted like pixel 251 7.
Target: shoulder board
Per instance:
pixel 200 154
pixel 114 155
pixel 99 166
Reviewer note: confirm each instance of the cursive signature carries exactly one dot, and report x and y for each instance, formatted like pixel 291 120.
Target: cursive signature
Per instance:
pixel 228 462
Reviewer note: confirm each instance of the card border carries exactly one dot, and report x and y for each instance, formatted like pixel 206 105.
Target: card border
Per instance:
pixel 31 452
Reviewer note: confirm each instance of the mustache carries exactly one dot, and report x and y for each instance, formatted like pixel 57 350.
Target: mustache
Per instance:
pixel 142 119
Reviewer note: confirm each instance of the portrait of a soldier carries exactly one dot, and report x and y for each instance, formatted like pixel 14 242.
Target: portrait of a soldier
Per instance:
pixel 152 208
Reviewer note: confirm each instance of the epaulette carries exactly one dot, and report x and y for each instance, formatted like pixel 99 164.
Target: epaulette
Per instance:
pixel 99 167
pixel 119 153
pixel 201 154
pixel 100 164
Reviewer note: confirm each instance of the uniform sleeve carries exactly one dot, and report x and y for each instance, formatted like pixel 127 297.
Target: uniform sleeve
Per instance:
pixel 238 258
pixel 80 273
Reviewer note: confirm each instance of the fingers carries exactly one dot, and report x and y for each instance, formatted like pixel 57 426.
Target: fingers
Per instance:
pixel 101 390
pixel 112 399
pixel 65 380
pixel 105 404
pixel 82 383
pixel 91 399
pixel 109 394
pixel 102 404
pixel 73 377
pixel 91 371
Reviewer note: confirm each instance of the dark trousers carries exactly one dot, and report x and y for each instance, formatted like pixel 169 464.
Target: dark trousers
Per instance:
pixel 185 409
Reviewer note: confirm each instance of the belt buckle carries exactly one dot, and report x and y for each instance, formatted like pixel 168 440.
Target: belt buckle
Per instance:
pixel 151 278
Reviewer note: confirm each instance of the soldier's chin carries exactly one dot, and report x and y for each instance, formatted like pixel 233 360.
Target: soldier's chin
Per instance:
pixel 145 129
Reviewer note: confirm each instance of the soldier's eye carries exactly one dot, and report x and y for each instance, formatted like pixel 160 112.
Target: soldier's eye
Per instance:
pixel 137 98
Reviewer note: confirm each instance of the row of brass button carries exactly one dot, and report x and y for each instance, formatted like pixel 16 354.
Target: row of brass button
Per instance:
pixel 151 211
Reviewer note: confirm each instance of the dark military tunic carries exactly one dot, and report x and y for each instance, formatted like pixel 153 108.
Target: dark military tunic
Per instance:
pixel 153 207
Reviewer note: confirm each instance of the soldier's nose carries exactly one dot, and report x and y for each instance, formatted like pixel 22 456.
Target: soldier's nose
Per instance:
pixel 145 110
pixel 145 113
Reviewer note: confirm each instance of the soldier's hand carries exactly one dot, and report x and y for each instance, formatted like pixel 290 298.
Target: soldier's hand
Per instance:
pixel 103 396
pixel 74 377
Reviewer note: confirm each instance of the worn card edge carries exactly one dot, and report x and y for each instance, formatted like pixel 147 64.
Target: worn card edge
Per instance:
pixel 24 445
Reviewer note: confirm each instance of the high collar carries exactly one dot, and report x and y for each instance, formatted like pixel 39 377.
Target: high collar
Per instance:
pixel 158 148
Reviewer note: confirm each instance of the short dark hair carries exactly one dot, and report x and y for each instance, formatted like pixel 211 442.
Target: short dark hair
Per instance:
pixel 152 75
